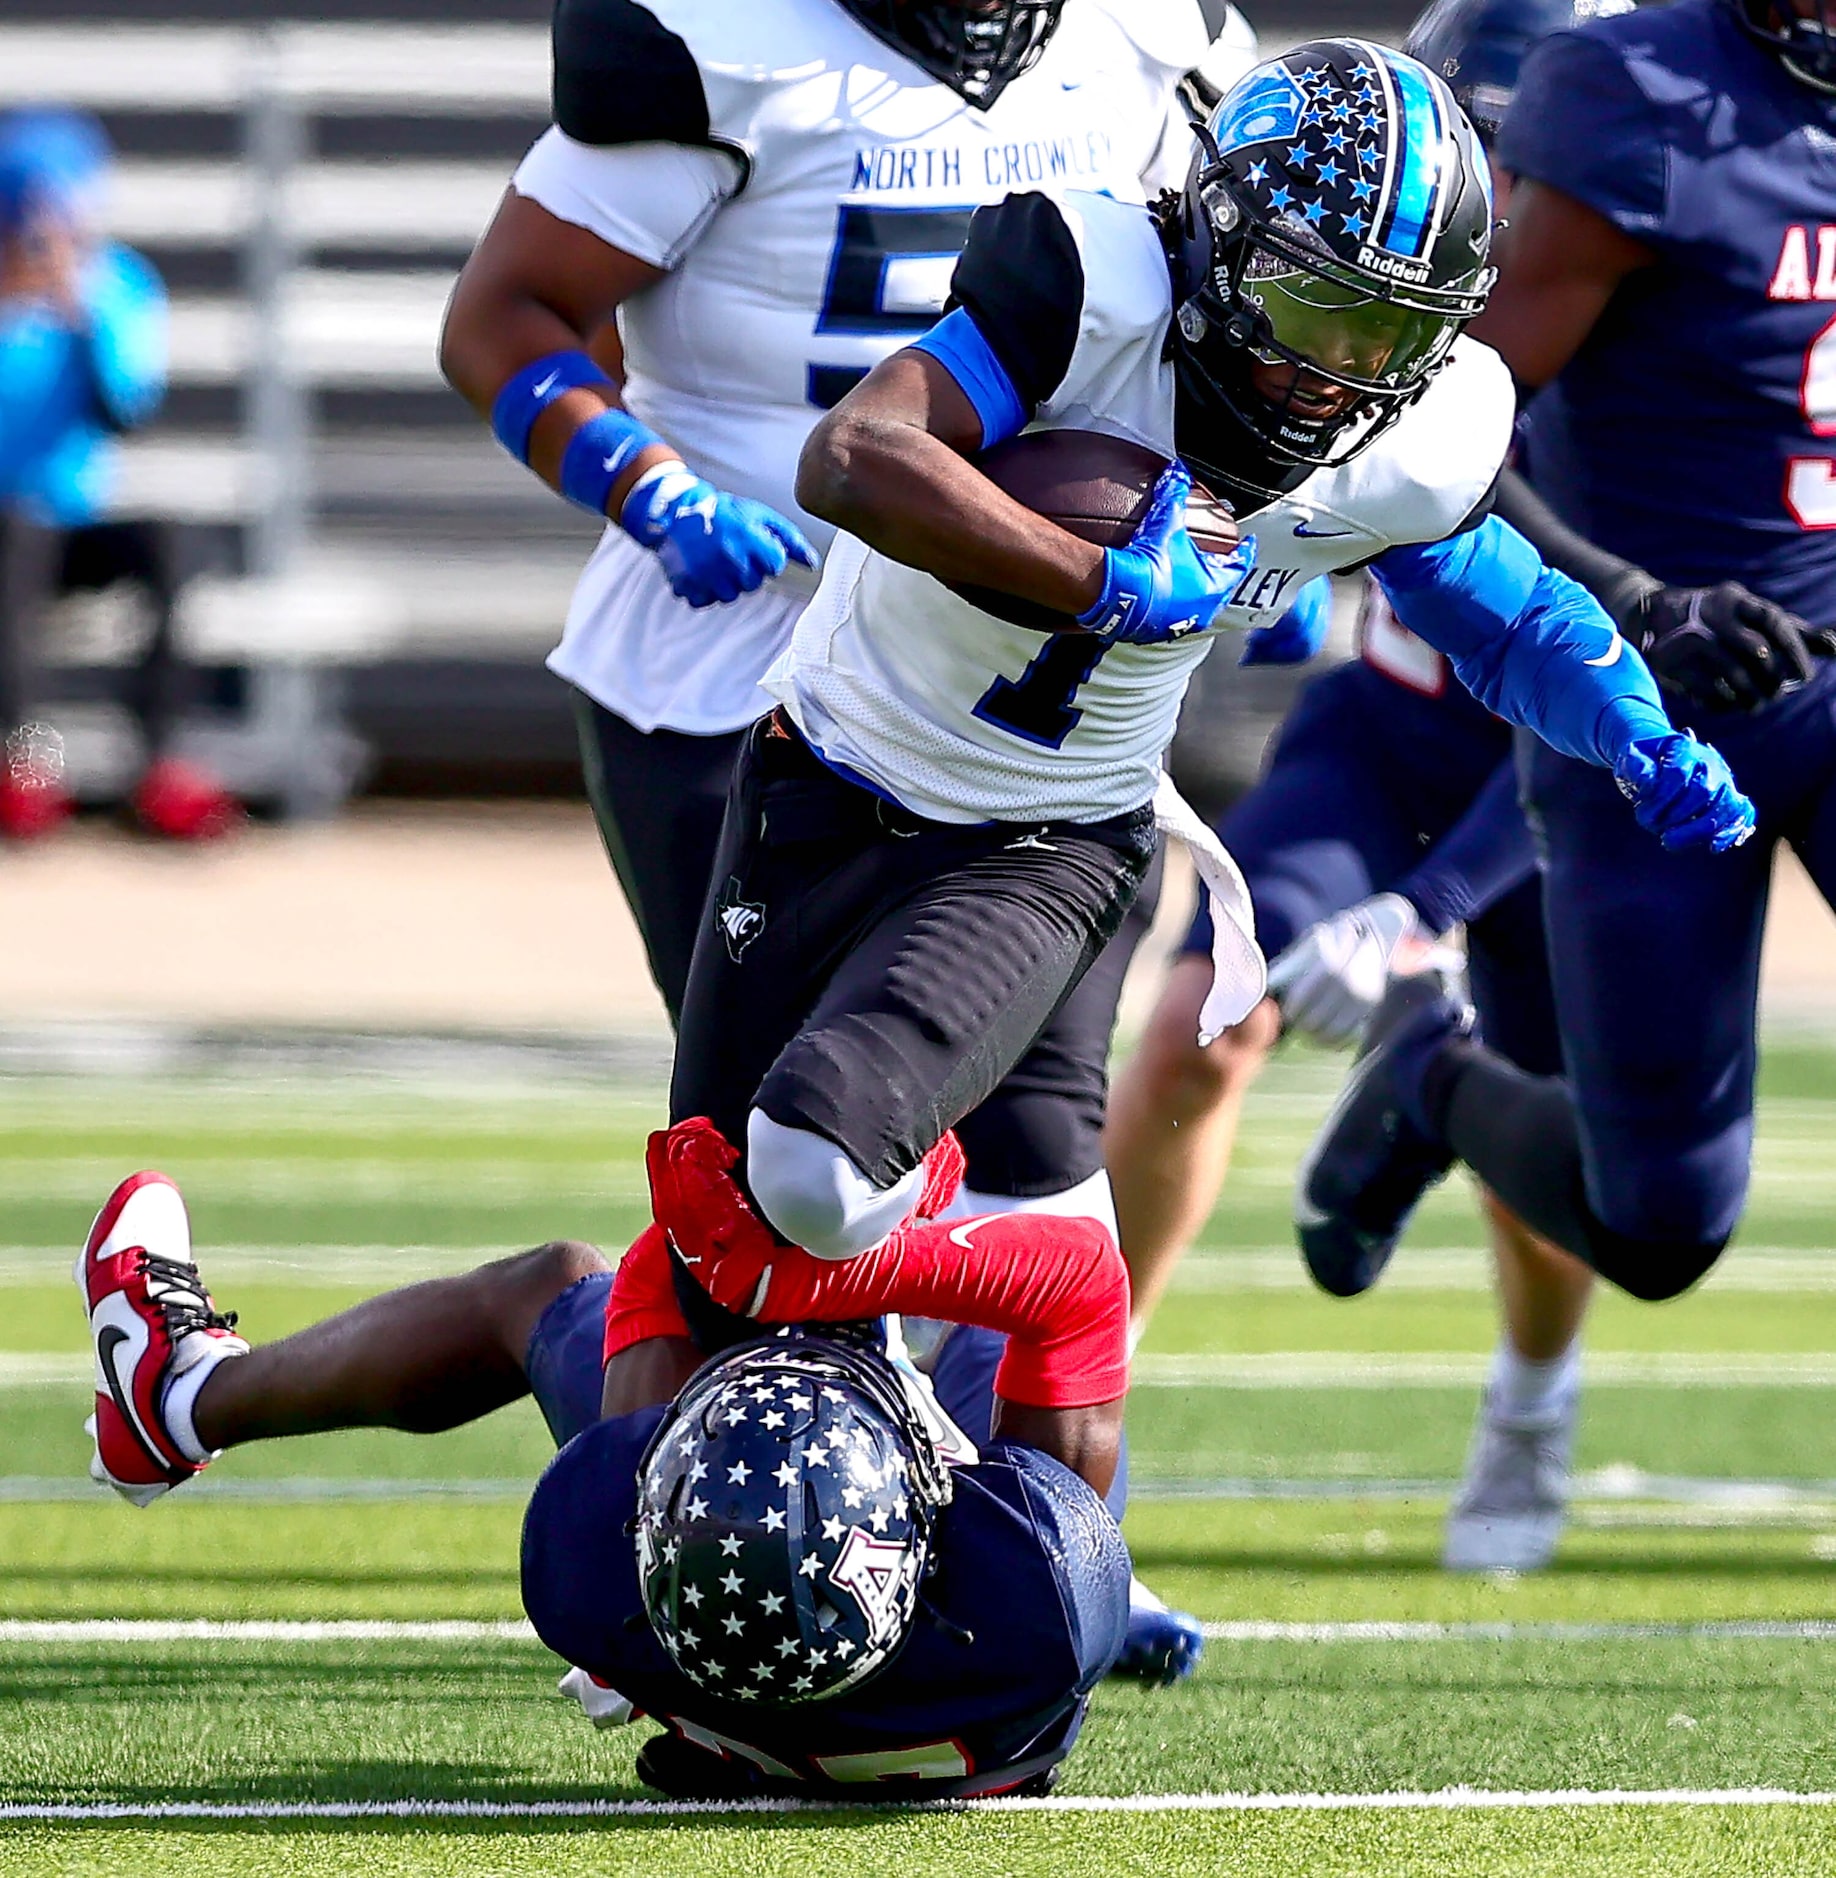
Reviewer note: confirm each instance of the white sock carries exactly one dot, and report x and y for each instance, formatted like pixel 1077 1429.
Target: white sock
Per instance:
pixel 181 1395
pixel 1140 1598
pixel 1521 1390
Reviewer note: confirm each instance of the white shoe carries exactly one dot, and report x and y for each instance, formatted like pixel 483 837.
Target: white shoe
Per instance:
pixel 1513 1502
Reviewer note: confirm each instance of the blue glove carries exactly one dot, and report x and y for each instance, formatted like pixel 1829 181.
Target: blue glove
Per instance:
pixel 714 547
pixel 1300 632
pixel 1683 792
pixel 1162 586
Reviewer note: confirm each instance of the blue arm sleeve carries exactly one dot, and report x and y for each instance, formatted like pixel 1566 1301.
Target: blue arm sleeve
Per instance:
pixel 126 338
pixel 1485 854
pixel 1530 644
pixel 956 343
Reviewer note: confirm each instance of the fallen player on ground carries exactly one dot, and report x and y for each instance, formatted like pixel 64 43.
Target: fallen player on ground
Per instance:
pixel 793 1556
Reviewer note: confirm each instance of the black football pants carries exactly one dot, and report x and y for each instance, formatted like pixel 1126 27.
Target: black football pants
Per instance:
pixel 874 977
pixel 660 798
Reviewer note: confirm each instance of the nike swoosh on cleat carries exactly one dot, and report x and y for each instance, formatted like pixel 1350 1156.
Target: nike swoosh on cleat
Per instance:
pixel 1610 656
pixel 1319 534
pixel 108 1340
pixel 959 1235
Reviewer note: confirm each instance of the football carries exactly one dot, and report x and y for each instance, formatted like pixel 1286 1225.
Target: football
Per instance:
pixel 1095 486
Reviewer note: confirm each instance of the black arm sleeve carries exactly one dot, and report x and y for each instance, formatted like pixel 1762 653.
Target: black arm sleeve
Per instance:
pixel 621 76
pixel 1618 585
pixel 1021 279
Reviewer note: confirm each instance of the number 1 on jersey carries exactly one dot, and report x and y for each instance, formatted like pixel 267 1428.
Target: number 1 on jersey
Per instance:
pixel 1037 705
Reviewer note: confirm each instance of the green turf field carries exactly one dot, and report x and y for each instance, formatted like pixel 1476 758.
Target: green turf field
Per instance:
pixel 1291 1456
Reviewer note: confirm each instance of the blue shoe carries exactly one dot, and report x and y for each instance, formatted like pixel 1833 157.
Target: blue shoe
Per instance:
pixel 1163 1647
pixel 1373 1159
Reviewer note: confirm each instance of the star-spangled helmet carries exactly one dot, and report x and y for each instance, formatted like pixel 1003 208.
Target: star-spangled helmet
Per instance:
pixel 785 1513
pixel 1801 32
pixel 1478 46
pixel 1337 218
pixel 976 47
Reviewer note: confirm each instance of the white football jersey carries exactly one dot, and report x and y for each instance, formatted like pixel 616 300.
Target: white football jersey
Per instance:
pixel 963 717
pixel 809 224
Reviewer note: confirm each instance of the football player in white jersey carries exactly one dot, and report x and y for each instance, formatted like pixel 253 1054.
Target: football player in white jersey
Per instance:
pixel 770 198
pixel 948 814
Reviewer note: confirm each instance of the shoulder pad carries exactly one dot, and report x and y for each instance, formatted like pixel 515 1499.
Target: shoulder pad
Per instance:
pixel 622 76
pixel 1129 286
pixel 1425 477
pixel 1172 34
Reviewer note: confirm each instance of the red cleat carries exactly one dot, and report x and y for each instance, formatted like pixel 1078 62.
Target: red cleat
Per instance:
pixel 150 1319
pixel 33 802
pixel 181 802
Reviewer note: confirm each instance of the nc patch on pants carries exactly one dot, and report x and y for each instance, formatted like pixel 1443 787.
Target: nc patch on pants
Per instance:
pixel 740 921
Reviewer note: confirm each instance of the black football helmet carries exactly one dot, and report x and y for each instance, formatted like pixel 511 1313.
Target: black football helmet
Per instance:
pixel 976 47
pixel 1801 32
pixel 1478 46
pixel 786 1506
pixel 1337 218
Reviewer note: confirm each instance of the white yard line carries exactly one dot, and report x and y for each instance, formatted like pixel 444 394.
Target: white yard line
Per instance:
pixel 264 1630
pixel 1747 1268
pixel 1761 1269
pixel 1620 1493
pixel 1735 1630
pixel 1343 1369
pixel 1300 1369
pixel 116 1630
pixel 1443 1800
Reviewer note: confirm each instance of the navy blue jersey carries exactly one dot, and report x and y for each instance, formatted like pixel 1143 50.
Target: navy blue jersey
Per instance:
pixel 1695 430
pixel 1022 1612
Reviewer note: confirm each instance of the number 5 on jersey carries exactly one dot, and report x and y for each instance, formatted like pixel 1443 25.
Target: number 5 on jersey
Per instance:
pixel 889 275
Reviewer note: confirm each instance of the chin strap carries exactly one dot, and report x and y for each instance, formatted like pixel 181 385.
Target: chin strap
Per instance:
pixel 1239 973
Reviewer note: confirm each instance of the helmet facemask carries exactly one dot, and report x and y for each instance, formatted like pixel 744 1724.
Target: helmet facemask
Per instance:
pixel 976 47
pixel 1802 33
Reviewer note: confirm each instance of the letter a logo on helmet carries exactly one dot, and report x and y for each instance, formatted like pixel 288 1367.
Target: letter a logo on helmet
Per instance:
pixel 785 1512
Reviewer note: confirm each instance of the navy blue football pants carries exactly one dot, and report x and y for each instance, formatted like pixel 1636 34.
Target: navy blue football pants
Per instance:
pixel 1656 966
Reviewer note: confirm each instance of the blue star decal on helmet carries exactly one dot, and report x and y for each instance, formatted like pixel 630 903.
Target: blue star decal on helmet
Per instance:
pixel 1315 212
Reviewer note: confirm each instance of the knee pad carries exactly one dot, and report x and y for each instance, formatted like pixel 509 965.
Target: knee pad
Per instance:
pixel 813 1194
pixel 1653 1270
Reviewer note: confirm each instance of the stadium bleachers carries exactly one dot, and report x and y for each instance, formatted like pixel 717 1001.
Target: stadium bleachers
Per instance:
pixel 309 187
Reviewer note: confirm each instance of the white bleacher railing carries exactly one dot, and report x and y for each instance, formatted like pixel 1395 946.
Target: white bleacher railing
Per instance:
pixel 294 327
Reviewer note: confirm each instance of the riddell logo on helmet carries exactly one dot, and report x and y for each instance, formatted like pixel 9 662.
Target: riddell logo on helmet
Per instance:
pixel 1393 266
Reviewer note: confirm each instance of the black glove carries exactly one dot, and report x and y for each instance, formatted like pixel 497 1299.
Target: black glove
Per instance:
pixel 1722 648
